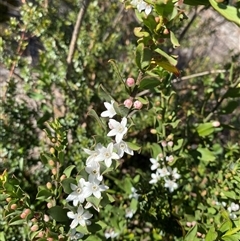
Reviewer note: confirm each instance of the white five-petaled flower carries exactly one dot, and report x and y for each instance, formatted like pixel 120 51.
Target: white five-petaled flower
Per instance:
pixel 94 170
pixel 123 147
pixel 107 154
pixel 155 178
pixel 174 173
pixel 110 234
pixel 78 195
pixel 93 154
pixel 142 6
pixel 134 193
pixel 93 187
pixel 163 172
pixel 171 185
pixel 110 112
pixel 118 129
pixel 81 217
pixel 74 235
pixel 155 163
pixel 129 213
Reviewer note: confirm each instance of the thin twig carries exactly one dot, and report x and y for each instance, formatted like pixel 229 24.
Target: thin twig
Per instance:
pixel 218 71
pixel 76 31
pixel 72 46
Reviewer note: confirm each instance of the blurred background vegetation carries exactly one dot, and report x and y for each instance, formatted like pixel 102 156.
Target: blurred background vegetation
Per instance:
pixel 38 84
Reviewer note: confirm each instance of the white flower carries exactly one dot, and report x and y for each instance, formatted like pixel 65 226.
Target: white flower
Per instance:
pixel 155 178
pixel 129 213
pixel 171 185
pixel 169 158
pixel 74 235
pixel 118 129
pixel 81 217
pixel 134 193
pixel 110 112
pixel 93 187
pixel 110 234
pixel 123 147
pixel 107 154
pixel 233 207
pixel 163 172
pixel 94 170
pixel 93 154
pixel 232 215
pixel 78 194
pixel 141 5
pixel 174 173
pixel 155 164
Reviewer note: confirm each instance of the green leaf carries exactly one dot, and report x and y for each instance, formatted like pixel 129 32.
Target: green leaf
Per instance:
pixel 68 170
pixel 149 82
pixel 211 235
pixel 230 194
pixel 227 225
pixel 196 2
pixel 137 31
pixel 174 40
pixel 234 237
pixel 82 229
pixel 230 107
pixel 66 184
pixel 191 234
pixel 143 56
pixel 170 59
pixel 232 231
pixel 207 155
pixel 232 93
pixel 44 194
pixel 61 156
pixel 133 146
pixel 58 214
pixel 16 221
pixel 229 12
pixel 205 129
pixel 142 100
pixel 95 116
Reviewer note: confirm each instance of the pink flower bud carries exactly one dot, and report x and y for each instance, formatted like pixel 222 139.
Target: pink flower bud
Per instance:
pixel 164 143
pixel 130 82
pixel 216 123
pixel 170 143
pixel 128 103
pixel 34 228
pixel 137 104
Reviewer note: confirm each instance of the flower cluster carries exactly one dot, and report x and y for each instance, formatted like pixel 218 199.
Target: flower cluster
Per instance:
pixel 163 171
pixel 232 209
pixel 94 185
pixel 142 6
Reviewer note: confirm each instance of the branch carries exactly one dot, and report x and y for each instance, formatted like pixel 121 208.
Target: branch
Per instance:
pixel 76 31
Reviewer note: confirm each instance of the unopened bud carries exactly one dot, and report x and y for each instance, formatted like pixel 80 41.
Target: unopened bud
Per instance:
pixel 34 228
pixel 153 131
pixel 165 31
pixel 130 82
pixel 46 218
pixel 23 215
pixel 52 150
pixel 8 199
pixel 164 143
pixel 54 171
pixel 170 143
pixel 215 123
pixel 49 205
pixel 137 104
pixel 62 177
pixel 51 163
pixel 128 103
pixel 49 185
pixel 13 206
pixel 27 211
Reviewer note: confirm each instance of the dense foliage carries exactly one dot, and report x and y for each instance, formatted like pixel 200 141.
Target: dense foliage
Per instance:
pixel 106 137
